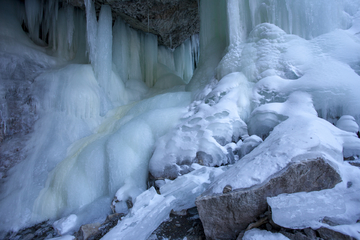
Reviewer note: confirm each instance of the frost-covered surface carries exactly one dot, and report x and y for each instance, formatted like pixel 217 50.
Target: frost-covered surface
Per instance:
pixel 257 234
pixel 282 73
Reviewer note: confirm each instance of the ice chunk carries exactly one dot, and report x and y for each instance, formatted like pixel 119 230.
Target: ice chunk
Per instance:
pixel 66 237
pixel 347 123
pixel 65 225
pixel 249 144
pixel 335 208
pixel 257 234
pixel 150 209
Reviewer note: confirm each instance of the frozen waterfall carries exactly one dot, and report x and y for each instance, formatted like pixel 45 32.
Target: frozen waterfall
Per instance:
pixel 112 109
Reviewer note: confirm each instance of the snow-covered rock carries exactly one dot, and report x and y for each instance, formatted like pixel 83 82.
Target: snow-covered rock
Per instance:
pixel 225 215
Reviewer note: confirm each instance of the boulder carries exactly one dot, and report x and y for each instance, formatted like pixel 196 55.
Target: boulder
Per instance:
pixel 225 215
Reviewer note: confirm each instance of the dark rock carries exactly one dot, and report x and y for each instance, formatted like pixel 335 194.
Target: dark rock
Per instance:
pixel 29 236
pixel 204 158
pixel 328 234
pixel 173 21
pixel 110 222
pixel 354 163
pixel 227 189
pixel 310 233
pixel 296 236
pixel 39 231
pixel 257 223
pixel 180 226
pixel 224 216
pixel 88 230
pixel 268 227
pixel 114 217
pixel 179 213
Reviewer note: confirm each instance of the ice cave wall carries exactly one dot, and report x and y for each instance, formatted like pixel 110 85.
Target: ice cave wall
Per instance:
pixel 46 72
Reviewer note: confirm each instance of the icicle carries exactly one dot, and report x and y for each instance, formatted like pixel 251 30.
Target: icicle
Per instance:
pixel 170 41
pixel 149 62
pixel 70 24
pixel 234 22
pixel 121 51
pixel 103 61
pixel 34 15
pixel 91 29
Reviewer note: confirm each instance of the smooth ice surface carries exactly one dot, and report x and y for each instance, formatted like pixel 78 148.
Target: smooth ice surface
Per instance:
pixel 257 234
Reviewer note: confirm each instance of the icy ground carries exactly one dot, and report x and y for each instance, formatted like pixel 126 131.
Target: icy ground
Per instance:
pixel 273 85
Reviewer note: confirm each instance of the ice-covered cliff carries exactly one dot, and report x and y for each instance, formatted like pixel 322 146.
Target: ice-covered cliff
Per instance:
pixel 103 110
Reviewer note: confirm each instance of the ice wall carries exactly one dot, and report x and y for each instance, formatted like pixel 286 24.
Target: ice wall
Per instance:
pixel 98 123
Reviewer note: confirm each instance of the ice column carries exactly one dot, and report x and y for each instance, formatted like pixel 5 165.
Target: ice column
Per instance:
pixel 103 61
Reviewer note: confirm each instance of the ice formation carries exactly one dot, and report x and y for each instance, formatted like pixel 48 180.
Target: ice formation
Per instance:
pixel 257 234
pixel 272 80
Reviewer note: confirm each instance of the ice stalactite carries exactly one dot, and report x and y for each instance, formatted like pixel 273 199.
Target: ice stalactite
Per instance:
pixel 91 30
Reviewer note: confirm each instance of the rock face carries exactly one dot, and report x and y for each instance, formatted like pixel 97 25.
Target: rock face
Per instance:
pixel 173 21
pixel 225 215
pixel 17 107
